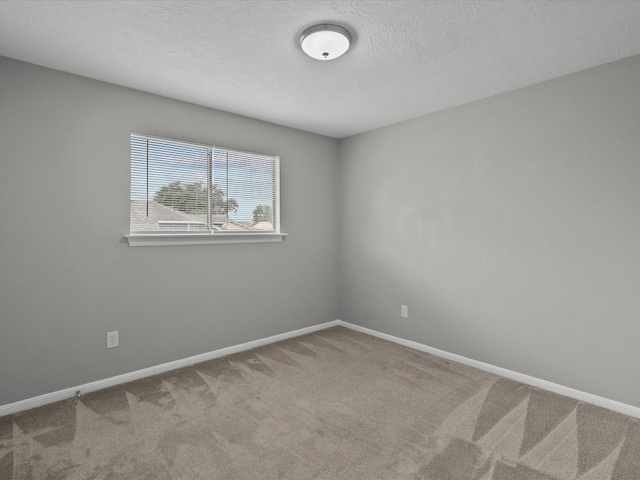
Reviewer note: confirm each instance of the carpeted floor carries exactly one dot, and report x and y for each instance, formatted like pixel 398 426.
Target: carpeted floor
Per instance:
pixel 336 404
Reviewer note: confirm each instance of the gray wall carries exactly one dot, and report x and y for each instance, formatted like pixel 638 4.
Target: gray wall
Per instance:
pixel 510 227
pixel 66 274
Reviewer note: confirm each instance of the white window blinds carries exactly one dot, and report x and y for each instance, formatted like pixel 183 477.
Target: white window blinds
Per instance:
pixel 185 187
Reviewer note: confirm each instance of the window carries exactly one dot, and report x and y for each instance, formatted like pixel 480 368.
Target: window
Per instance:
pixel 184 193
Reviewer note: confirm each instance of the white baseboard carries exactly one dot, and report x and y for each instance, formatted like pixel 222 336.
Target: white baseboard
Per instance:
pixel 165 367
pixel 519 377
pixel 148 372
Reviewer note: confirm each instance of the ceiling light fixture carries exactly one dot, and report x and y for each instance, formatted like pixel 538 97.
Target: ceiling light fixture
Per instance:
pixel 325 42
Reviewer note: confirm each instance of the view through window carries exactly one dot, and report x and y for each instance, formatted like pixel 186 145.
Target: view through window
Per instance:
pixel 182 187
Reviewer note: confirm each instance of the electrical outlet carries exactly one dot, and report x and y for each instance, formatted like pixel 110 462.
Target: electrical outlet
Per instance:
pixel 112 339
pixel 404 311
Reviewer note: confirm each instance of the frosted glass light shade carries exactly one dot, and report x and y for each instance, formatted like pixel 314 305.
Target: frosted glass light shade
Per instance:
pixel 325 42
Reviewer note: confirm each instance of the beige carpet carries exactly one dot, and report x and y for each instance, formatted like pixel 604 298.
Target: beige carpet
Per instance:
pixel 336 404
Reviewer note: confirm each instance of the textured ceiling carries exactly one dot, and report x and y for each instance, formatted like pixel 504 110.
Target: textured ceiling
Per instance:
pixel 409 58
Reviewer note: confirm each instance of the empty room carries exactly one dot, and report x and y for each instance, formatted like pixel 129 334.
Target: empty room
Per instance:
pixel 334 240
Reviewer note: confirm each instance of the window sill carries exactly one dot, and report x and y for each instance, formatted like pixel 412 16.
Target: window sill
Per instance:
pixel 161 239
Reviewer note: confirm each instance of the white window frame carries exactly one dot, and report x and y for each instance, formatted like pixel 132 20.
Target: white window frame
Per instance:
pixel 148 239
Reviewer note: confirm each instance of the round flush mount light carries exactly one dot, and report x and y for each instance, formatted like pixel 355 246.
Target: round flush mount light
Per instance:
pixel 325 42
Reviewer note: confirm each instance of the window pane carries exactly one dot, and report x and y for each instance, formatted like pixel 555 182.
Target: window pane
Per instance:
pixel 168 184
pixel 248 183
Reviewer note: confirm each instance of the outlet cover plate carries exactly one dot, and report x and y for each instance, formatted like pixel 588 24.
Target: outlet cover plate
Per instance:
pixel 112 339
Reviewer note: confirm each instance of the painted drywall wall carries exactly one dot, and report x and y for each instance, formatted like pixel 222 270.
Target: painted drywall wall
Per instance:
pixel 510 227
pixel 67 276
